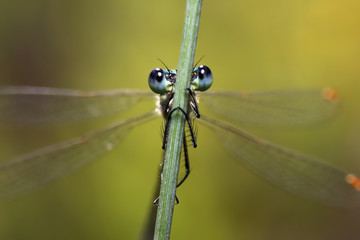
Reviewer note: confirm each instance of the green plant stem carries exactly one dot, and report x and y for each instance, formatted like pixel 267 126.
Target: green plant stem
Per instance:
pixel 177 124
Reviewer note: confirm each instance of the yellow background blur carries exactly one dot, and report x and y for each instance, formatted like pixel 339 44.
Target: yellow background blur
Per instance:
pixel 249 45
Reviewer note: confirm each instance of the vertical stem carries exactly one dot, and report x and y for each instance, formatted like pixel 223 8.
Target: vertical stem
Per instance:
pixel 177 124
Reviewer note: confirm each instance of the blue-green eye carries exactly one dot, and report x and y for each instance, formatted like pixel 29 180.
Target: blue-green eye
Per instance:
pixel 158 81
pixel 202 78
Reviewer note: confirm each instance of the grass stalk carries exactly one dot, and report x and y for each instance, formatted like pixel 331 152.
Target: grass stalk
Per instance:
pixel 177 124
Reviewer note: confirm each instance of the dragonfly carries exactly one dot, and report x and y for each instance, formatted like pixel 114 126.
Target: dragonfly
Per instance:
pixel 294 171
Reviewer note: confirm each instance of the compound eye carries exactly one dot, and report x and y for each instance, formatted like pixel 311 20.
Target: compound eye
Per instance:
pixel 158 82
pixel 203 78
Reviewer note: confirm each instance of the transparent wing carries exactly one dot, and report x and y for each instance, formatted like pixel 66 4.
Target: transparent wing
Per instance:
pixel 296 172
pixel 43 165
pixel 38 105
pixel 285 107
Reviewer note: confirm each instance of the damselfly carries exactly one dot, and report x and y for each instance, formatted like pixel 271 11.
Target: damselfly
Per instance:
pixel 286 168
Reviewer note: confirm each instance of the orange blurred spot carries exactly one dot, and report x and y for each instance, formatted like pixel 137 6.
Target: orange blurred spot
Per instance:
pixel 89 94
pixel 245 95
pixel 353 180
pixel 330 94
pixel 83 139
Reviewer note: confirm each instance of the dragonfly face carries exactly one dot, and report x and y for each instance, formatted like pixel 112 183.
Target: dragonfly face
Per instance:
pixel 294 171
pixel 163 81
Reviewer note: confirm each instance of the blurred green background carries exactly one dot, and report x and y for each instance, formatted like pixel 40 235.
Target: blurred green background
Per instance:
pixel 249 45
